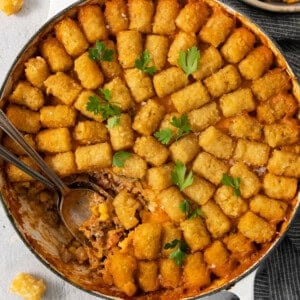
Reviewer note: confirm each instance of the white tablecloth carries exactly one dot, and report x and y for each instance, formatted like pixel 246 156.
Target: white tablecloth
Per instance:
pixel 15 257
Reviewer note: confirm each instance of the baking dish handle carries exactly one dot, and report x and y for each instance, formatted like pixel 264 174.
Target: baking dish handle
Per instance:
pixel 244 288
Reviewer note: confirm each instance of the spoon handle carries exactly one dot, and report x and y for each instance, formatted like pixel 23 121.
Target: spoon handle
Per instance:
pixel 9 157
pixel 11 130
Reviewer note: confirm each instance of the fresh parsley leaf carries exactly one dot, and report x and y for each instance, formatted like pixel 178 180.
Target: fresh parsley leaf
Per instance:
pixel 142 62
pixel 101 53
pixel 189 60
pixel 119 158
pixel 185 207
pixel 164 136
pixel 179 177
pixel 180 253
pixel 234 182
pixel 113 121
pixel 182 124
pixel 103 107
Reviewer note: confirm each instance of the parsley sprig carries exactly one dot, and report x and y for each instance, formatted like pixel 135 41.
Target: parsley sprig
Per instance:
pixel 185 207
pixel 180 253
pixel 182 124
pixel 234 182
pixel 189 60
pixel 142 63
pixel 113 121
pixel 100 52
pixel 119 158
pixel 103 106
pixel 179 176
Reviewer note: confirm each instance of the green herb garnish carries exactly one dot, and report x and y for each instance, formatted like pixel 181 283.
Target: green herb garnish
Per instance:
pixel 142 62
pixel 100 52
pixel 164 136
pixel 185 207
pixel 234 182
pixel 113 121
pixel 105 108
pixel 119 158
pixel 179 177
pixel 182 124
pixel 189 60
pixel 180 253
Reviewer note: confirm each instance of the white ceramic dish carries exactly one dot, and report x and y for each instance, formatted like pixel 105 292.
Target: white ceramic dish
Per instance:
pixel 279 7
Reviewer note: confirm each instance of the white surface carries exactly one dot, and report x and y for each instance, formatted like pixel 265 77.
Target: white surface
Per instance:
pixel 15 31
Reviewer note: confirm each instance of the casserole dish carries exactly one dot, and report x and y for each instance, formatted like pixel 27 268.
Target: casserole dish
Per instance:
pixel 48 246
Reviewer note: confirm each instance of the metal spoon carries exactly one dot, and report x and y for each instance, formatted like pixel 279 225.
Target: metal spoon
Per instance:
pixel 72 201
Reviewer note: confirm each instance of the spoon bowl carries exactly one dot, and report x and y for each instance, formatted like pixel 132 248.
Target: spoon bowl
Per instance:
pixel 73 199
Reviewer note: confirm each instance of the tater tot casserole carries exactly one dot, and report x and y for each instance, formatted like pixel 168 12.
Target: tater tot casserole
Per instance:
pixel 187 115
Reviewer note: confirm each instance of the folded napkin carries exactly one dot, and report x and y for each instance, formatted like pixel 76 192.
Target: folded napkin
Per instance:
pixel 279 277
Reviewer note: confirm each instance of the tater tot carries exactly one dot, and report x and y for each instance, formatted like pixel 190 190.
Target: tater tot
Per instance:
pixel 284 163
pixel 24 119
pixel 122 135
pixel 70 35
pixel 256 63
pixel 224 81
pixel 62 163
pixel 165 16
pixel 134 167
pixel 139 84
pixel 147 241
pixel 237 46
pixel 27 95
pixel 275 108
pixel 147 119
pixel 253 153
pixel 10 7
pixel 191 97
pixel 159 178
pixel 140 15
pixel 56 56
pixel 192 16
pixel 63 86
pixel 211 61
pixel 217 28
pixel 158 154
pixel 111 69
pixel 268 208
pixel 170 232
pixel 88 72
pixel 90 132
pixel 195 233
pixel 216 221
pixel 93 156
pixel 54 140
pixel 255 228
pixel 209 167
pixel 130 47
pixel 148 275
pixel 204 116
pixel 195 272
pixel 92 22
pixel 120 94
pixel 81 103
pixel 57 116
pixel 279 187
pixel 215 142
pixel 116 15
pixel 170 199
pixel 182 42
pixel 170 273
pixel 200 190
pixel 158 47
pixel 236 102
pixel 122 267
pixel 36 71
pixel 273 82
pixel 169 81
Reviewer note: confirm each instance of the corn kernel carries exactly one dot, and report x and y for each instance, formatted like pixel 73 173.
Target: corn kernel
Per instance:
pixel 103 210
pixel 95 211
pixel 72 249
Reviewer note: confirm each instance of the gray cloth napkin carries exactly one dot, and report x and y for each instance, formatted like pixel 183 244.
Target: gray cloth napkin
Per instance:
pixel 279 277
